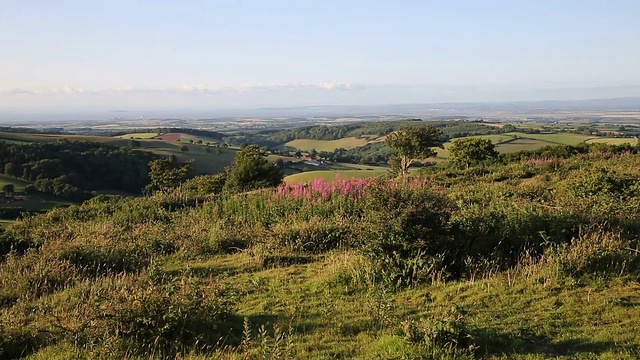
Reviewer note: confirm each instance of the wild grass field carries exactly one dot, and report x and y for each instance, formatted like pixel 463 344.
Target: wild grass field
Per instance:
pixel 534 259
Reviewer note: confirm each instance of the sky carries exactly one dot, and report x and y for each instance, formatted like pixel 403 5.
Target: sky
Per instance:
pixel 86 55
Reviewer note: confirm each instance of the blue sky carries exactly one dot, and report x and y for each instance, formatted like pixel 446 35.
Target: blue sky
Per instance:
pixel 75 55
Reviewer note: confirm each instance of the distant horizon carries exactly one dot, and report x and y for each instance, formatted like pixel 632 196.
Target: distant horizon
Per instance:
pixel 627 103
pixel 83 56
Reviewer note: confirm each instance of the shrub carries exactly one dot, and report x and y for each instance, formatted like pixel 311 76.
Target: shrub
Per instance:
pixel 405 232
pixel 123 317
pixel 225 238
pixel 161 317
pixel 446 331
pixel 598 254
pixel 96 260
pixel 316 235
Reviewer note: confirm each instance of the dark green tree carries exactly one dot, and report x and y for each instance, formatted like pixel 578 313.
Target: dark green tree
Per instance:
pixel 134 143
pixel 412 144
pixel 204 185
pixel 8 189
pixel 471 151
pixel 9 169
pixel 167 174
pixel 251 171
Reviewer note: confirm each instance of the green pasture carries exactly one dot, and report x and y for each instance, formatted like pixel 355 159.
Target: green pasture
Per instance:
pixel 18 184
pixel 149 135
pixel 360 166
pixel 613 141
pixel 327 145
pixel 40 202
pixel 14 141
pixel 205 139
pixel 204 163
pixel 498 138
pixel 522 144
pixel 556 138
pixel 331 175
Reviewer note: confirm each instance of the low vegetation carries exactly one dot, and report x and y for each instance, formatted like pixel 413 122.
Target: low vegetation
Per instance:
pixel 533 257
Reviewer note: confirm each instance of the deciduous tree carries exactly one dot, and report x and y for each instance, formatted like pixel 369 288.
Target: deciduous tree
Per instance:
pixel 412 144
pixel 251 171
pixel 471 151
pixel 167 174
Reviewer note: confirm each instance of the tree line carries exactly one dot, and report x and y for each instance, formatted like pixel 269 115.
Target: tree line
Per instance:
pixel 450 130
pixel 73 169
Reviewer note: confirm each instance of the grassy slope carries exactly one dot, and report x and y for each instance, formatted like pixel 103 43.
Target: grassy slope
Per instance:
pixel 514 315
pixel 517 315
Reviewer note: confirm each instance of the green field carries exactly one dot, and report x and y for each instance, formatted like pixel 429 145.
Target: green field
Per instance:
pixel 13 141
pixel 327 145
pixel 557 138
pixel 150 135
pixel 194 138
pixel 18 184
pixel 361 166
pixel 613 141
pixel 41 202
pixel 204 163
pixel 522 145
pixel 331 175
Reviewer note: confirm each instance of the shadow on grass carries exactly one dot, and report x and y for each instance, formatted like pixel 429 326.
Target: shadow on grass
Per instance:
pixel 204 272
pixel 286 260
pixel 269 262
pixel 495 343
pixel 234 327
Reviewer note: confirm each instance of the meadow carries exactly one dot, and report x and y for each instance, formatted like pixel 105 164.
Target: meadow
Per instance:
pixel 18 184
pixel 534 259
pixel 331 175
pixel 329 145
pixel 149 135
